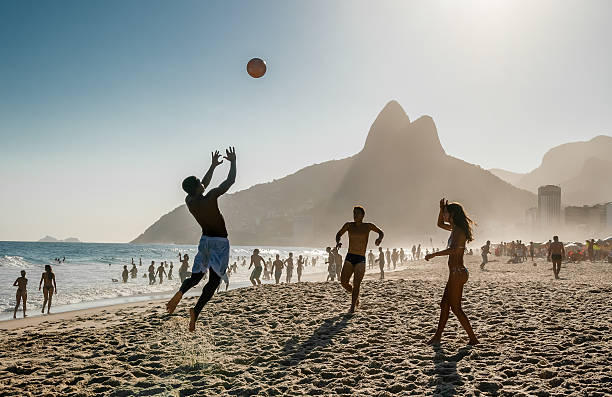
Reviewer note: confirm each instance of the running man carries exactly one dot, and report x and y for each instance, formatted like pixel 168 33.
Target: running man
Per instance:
pixel 256 260
pixel 22 293
pixel 48 278
pixel 556 252
pixel 213 248
pixel 278 268
pixel 485 251
pixel 354 263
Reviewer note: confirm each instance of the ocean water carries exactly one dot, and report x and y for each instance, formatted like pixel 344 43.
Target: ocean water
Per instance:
pixel 84 280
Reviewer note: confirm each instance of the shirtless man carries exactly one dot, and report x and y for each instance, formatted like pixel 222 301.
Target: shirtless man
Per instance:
pixel 48 278
pixel 370 259
pixel 256 260
pixel 183 268
pixel 556 252
pixel 134 271
pixel 22 293
pixel 414 252
pixel 354 263
pixel 161 272
pixel 289 268
pixel 152 273
pixel 300 267
pixel 213 248
pixel 331 264
pixel 125 273
pixel 388 259
pixel 278 268
pixel 338 263
pixel 381 262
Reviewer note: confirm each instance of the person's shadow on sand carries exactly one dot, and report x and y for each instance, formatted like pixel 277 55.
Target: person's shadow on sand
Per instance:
pixel 320 338
pixel 446 370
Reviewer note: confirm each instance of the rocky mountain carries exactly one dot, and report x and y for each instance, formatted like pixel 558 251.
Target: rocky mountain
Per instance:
pixel 582 169
pixel 399 177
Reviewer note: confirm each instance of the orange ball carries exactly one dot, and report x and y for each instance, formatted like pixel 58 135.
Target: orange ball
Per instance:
pixel 256 68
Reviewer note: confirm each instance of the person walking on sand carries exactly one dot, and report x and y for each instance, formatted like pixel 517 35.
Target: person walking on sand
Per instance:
pixel 22 293
pixel 556 252
pixel 213 248
pixel 49 287
pixel 152 273
pixel 134 271
pixel 300 267
pixel 370 259
pixel 531 250
pixel 485 250
pixel 161 272
pixel 453 218
pixel 418 252
pixel 355 261
pixel 381 263
pixel 338 262
pixel 125 274
pixel 278 268
pixel 388 259
pixel 331 265
pixel 394 257
pixel 256 260
pixel 289 268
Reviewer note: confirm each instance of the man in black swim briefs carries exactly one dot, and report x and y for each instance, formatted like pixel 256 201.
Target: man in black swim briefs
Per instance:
pixel 354 262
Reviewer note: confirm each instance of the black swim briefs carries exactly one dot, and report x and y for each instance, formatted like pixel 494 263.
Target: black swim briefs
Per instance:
pixel 354 259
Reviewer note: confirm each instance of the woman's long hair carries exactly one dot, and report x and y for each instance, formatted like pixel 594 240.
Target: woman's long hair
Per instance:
pixel 460 219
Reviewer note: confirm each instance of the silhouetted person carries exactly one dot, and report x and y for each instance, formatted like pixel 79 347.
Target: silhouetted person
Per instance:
pixel 278 268
pixel 183 268
pixel 381 262
pixel 152 273
pixel 402 256
pixel 22 293
pixel 418 252
pixel 394 257
pixel 256 260
pixel 289 268
pixel 370 259
pixel 170 271
pixel 331 264
pixel 414 253
pixel 556 254
pixel 134 270
pixel 49 287
pixel 531 250
pixel 485 250
pixel 452 217
pixel 300 267
pixel 388 259
pixel 125 274
pixel 337 262
pixel 161 272
pixel 213 248
pixel 354 263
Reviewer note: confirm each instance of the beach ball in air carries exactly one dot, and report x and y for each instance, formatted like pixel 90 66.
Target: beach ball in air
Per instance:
pixel 256 68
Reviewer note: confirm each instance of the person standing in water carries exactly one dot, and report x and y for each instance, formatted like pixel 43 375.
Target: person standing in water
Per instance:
pixel 256 260
pixel 453 218
pixel 152 273
pixel 354 263
pixel 134 271
pixel 49 287
pixel 213 248
pixel 161 272
pixel 289 268
pixel 22 293
pixel 183 268
pixel 381 263
pixel 485 250
pixel 556 252
pixel 170 271
pixel 278 268
pixel 300 267
pixel 125 274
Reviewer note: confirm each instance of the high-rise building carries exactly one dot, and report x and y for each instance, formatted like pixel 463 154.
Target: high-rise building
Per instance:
pixel 549 205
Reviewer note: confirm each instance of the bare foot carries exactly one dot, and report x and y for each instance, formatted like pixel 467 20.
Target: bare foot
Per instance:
pixel 352 310
pixel 473 342
pixel 14 316
pixel 434 341
pixel 357 303
pixel 25 315
pixel 171 306
pixel 192 320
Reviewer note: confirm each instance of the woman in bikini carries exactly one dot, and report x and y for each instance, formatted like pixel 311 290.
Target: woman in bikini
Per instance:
pixel 452 217
pixel 22 293
pixel 48 288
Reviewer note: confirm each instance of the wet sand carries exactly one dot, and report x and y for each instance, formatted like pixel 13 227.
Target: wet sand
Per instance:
pixel 539 336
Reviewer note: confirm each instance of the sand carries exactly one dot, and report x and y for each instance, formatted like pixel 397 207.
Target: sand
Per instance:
pixel 539 336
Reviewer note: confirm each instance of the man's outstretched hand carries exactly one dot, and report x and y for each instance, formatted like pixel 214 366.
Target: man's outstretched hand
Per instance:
pixel 216 158
pixel 230 154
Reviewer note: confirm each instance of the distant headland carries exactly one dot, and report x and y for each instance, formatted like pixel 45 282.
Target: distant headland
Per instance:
pixel 51 239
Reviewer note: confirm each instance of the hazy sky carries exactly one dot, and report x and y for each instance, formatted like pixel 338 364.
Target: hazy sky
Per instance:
pixel 106 105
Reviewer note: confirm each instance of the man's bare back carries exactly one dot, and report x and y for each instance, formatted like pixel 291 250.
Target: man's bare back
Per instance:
pixel 205 209
pixel 556 248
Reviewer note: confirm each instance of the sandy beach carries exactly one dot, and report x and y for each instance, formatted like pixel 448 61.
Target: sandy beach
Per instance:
pixel 539 336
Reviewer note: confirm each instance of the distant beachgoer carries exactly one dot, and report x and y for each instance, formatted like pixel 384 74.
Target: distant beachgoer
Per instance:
pixel 139 261
pixel 331 265
pixel 381 262
pixel 354 263
pixel 63 259
pixel 370 259
pixel 213 248
pixel 452 217
pixel 388 259
pixel 289 268
pixel 590 244
pixel 225 279
pixel 49 287
pixel 338 262
pixel 402 256
pixel 134 270
pixel 314 261
pixel 161 272
pixel 125 274
pixel 22 293
pixel 170 271
pixel 300 267
pixel 183 268
pixel 256 260
pixel 418 252
pixel 556 254
pixel 267 269
pixel 278 268
pixel 394 257
pixel 485 250
pixel 152 273
pixel 132 261
pixel 531 250
pixel 414 252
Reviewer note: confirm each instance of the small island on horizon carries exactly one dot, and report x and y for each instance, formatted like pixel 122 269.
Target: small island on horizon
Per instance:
pixel 51 239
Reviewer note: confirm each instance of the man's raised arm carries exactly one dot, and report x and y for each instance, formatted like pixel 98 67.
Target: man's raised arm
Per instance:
pixel 380 234
pixel 230 155
pixel 340 233
pixel 213 164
